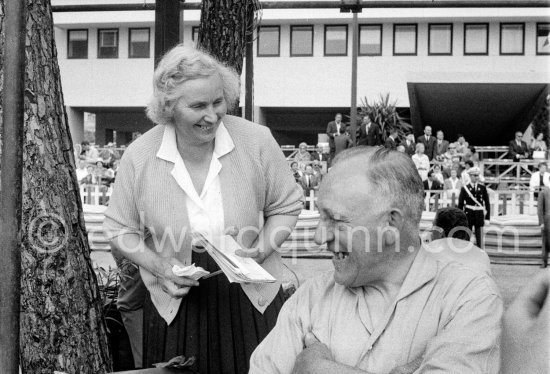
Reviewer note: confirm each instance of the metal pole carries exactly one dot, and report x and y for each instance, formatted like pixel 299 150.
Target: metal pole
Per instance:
pixel 249 69
pixel 354 53
pixel 11 184
pixel 167 27
pixel 327 5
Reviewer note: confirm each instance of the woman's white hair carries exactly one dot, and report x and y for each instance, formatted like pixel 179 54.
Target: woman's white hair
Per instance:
pixel 182 64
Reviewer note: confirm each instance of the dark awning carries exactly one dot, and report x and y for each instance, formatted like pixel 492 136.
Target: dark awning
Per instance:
pixel 487 110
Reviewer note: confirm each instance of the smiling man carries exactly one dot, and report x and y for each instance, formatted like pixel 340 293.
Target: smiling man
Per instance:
pixel 389 306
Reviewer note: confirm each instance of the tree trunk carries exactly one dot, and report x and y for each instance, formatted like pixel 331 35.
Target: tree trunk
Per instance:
pixel 223 29
pixel 62 326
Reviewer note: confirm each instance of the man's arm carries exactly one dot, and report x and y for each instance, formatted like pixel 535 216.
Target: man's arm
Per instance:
pixel 461 197
pixel 330 131
pixel 541 205
pixel 487 204
pixel 277 353
pixel 317 358
pixel 512 150
pixel 468 341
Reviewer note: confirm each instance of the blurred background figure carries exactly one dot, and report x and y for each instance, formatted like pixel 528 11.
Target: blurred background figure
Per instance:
pixel 451 240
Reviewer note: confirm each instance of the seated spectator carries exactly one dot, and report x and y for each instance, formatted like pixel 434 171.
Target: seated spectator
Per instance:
pixel 471 155
pixel 302 154
pixel 441 146
pixel 461 145
pixel 90 178
pixel 540 178
pixel 317 169
pixel 451 241
pixel 391 140
pixel 109 154
pixel 296 172
pixel 88 153
pixel 448 156
pixel 81 171
pixel 342 141
pixel 103 176
pixel 388 306
pixel 538 146
pixel 432 183
pixel 319 155
pixel 438 174
pixel 309 181
pixel 465 176
pixel 410 144
pixel 421 161
pixel 517 149
pixel 400 148
pixel 452 185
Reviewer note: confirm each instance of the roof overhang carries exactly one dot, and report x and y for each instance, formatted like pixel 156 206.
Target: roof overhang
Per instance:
pixel 486 108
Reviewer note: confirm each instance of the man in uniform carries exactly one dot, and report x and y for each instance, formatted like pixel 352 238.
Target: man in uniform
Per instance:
pixel 474 200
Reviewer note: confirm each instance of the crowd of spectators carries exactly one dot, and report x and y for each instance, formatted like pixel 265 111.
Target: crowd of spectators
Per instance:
pixel 95 166
pixel 442 164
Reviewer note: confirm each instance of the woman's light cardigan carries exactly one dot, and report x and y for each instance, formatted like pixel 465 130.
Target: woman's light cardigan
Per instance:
pixel 256 183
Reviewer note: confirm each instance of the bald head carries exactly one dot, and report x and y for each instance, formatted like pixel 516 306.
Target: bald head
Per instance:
pixel 388 175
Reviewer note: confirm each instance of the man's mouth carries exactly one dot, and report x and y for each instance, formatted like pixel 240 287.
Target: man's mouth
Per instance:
pixel 340 255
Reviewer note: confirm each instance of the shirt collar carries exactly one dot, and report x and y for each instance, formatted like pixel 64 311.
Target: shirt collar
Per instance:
pixel 168 149
pixel 422 271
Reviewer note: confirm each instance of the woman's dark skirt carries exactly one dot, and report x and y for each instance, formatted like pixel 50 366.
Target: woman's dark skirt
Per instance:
pixel 216 323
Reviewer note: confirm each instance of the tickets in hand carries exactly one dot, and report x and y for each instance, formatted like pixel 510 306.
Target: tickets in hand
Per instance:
pixel 191 271
pixel 237 269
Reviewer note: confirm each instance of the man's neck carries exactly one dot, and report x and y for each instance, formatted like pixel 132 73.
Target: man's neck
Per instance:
pixel 395 270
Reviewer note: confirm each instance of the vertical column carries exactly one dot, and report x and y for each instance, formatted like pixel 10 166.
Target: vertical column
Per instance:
pixel 167 26
pixel 11 179
pixel 76 124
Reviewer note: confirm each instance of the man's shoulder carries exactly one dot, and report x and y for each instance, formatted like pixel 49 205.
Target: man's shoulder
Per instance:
pixel 457 276
pixel 318 287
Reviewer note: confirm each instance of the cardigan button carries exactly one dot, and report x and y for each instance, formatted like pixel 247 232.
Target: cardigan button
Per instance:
pixel 261 301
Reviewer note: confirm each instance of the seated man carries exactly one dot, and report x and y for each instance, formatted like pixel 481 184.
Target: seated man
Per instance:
pixel 451 240
pixel 517 148
pixel 388 306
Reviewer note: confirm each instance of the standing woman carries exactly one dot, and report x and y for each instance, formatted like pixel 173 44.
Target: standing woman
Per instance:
pixel 421 161
pixel 202 170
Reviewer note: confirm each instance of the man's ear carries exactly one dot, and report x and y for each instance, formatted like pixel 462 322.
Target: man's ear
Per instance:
pixel 396 219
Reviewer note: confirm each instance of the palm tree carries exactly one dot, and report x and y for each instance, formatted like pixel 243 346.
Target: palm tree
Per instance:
pixel 384 113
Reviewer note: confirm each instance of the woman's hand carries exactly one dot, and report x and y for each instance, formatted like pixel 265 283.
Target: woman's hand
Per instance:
pixel 173 285
pixel 256 254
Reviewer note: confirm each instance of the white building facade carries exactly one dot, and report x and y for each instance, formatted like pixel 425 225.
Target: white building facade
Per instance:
pixel 434 62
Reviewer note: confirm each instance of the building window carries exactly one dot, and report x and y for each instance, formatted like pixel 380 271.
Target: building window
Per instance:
pixel 336 40
pixel 139 44
pixel 301 40
pixel 107 45
pixel 195 34
pixel 512 37
pixel 476 38
pixel 440 39
pixel 404 40
pixel 370 40
pixel 543 38
pixel 77 46
pixel 268 41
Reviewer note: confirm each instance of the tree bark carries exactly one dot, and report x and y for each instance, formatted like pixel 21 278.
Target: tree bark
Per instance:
pixel 223 29
pixel 62 326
